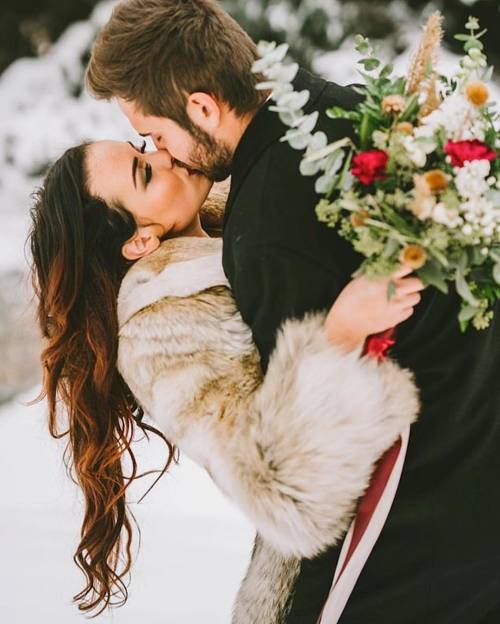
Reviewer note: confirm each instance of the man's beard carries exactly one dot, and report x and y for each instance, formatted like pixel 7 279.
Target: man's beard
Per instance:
pixel 209 156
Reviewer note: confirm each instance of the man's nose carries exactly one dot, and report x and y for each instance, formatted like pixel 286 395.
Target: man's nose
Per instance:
pixel 163 157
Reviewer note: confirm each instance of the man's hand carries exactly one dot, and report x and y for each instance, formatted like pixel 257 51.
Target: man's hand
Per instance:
pixel 364 307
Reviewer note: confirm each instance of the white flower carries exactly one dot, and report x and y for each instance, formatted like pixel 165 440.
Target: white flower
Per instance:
pixel 471 179
pixel 446 216
pixel 425 132
pixel 417 151
pixel 460 120
pixel 481 215
pixel 467 229
pixel 488 231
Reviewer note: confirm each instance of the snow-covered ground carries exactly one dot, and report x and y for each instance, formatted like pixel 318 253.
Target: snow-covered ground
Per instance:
pixel 194 547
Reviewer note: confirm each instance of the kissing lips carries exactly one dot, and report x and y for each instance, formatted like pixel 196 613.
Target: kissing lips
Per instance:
pixel 189 170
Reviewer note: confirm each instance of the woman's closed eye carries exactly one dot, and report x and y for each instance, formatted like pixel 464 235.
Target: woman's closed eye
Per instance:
pixel 148 174
pixel 145 167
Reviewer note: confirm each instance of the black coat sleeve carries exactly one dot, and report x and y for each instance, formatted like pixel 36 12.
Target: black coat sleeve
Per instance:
pixel 275 283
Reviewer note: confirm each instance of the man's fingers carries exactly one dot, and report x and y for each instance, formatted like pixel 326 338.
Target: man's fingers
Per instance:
pixel 408 285
pixel 413 299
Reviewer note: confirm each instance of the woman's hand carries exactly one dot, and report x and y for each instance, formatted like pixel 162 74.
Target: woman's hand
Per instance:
pixel 363 308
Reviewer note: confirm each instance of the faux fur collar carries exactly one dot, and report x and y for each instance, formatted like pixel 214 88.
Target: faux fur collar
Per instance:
pixel 179 268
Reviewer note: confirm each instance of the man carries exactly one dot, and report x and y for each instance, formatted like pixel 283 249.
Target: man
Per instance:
pixel 181 71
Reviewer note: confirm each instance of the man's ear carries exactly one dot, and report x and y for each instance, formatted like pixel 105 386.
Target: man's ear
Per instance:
pixel 143 243
pixel 204 111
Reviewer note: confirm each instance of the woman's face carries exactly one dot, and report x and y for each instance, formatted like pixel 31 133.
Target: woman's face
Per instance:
pixel 157 192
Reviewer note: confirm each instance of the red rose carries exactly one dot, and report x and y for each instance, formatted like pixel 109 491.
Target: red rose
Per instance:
pixel 461 152
pixel 369 166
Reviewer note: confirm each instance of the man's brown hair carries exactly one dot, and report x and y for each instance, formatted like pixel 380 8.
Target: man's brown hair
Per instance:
pixel 156 52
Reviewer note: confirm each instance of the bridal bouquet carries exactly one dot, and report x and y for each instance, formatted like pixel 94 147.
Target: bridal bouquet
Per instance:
pixel 420 182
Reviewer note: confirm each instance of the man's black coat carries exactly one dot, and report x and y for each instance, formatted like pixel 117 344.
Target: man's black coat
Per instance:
pixel 437 560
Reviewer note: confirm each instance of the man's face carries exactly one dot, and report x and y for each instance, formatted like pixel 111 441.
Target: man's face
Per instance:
pixel 197 149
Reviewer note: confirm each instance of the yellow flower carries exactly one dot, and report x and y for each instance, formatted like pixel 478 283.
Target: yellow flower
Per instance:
pixel 477 92
pixel 405 127
pixel 393 104
pixel 413 256
pixel 437 180
pixel 358 218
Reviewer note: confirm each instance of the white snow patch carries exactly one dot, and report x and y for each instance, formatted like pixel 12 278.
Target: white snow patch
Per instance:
pixel 194 547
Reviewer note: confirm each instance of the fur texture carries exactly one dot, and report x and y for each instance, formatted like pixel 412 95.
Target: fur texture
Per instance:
pixel 295 449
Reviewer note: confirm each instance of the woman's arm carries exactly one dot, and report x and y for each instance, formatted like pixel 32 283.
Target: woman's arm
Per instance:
pixel 296 449
pixel 303 446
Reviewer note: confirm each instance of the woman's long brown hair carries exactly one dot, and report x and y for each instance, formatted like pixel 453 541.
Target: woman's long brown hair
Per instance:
pixel 76 242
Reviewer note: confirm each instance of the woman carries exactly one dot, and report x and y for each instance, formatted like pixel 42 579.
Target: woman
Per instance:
pixel 294 449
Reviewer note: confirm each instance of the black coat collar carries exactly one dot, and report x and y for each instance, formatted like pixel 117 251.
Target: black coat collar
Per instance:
pixel 264 129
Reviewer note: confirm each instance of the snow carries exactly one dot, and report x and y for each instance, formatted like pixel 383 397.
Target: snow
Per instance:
pixel 194 547
pixel 43 111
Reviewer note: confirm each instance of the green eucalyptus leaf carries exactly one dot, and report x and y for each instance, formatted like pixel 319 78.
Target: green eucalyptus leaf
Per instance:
pixel 326 151
pixel 369 64
pixel 467 312
pixel 308 122
pixel 387 70
pixel 362 44
pixel 473 43
pixel 391 246
pixel 308 168
pixel 294 100
pixel 432 274
pixel 287 117
pixel 318 141
pixel 323 184
pixel 464 290
pixel 360 90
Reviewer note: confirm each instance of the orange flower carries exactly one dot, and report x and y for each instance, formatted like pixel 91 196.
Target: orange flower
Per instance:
pixel 437 180
pixel 393 104
pixel 405 127
pixel 413 256
pixel 358 218
pixel 477 92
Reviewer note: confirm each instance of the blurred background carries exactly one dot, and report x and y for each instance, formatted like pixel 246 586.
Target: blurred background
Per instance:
pixel 195 545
